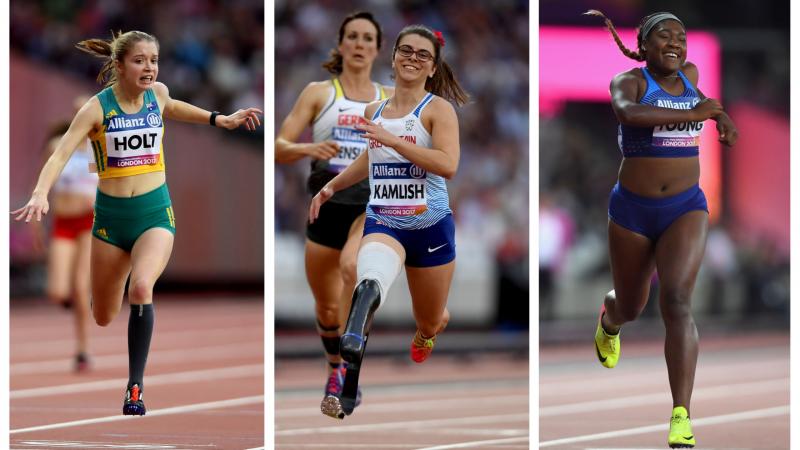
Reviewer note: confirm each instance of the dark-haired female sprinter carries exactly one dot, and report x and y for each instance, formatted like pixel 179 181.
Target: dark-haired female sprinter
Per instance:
pixel 133 224
pixel 658 216
pixel 333 108
pixel 413 148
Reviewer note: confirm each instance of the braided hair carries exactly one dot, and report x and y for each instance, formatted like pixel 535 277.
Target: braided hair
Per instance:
pixel 636 55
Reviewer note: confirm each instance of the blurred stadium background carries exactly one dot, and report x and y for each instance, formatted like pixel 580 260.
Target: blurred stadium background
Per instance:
pixel 487 46
pixel 212 55
pixel 744 280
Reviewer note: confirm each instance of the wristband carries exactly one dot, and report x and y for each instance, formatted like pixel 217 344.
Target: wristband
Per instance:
pixel 213 118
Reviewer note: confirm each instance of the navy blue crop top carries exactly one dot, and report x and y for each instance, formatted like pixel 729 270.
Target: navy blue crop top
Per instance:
pixel 675 140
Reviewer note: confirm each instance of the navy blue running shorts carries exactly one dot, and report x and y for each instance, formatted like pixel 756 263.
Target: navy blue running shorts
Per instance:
pixel 426 247
pixel 651 216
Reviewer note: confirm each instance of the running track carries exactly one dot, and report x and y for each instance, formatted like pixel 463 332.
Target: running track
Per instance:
pixel 445 403
pixel 204 383
pixel 740 400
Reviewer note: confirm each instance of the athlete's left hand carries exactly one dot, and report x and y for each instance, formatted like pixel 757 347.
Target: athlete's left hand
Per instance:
pixel 376 132
pixel 247 117
pixel 728 134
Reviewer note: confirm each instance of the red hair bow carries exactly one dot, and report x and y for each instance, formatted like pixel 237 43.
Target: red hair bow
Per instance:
pixel 439 37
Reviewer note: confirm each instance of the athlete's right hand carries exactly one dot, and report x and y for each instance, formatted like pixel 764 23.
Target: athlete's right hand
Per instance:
pixel 36 206
pixel 322 196
pixel 322 150
pixel 707 108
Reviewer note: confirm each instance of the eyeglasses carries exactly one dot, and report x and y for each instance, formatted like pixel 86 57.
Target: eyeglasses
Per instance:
pixel 406 51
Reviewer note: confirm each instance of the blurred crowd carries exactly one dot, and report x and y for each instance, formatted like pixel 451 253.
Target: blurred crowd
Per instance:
pixel 579 160
pixel 487 46
pixel 211 52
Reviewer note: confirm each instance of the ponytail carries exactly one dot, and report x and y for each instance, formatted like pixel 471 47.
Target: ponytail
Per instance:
pixel 638 56
pixel 444 84
pixel 101 49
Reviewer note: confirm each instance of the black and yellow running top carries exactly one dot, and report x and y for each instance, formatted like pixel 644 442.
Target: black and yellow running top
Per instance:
pixel 128 144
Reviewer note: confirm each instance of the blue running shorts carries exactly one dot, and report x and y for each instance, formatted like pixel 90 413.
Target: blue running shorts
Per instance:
pixel 426 247
pixel 651 216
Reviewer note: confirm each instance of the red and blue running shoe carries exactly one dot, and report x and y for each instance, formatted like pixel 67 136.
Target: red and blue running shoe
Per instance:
pixel 134 402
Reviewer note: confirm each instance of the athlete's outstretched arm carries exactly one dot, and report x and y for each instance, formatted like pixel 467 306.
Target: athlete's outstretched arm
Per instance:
pixel 87 118
pixel 624 90
pixel 355 172
pixel 186 112
pixel 287 149
pixel 442 158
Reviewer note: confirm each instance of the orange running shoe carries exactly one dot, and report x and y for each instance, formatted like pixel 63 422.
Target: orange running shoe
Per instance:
pixel 421 347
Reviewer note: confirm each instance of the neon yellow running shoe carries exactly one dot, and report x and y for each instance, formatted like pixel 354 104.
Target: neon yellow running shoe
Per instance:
pixel 607 345
pixel 680 429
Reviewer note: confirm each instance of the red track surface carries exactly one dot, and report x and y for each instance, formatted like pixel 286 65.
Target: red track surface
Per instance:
pixel 740 400
pixel 441 404
pixel 204 383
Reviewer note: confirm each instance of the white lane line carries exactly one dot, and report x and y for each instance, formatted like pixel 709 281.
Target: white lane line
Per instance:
pixel 714 420
pixel 158 412
pixel 760 387
pixel 449 404
pixel 214 353
pixel 474 444
pixel 502 418
pixel 119 383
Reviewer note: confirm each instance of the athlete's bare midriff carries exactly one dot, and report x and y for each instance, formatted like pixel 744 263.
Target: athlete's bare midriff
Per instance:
pixel 133 185
pixel 659 177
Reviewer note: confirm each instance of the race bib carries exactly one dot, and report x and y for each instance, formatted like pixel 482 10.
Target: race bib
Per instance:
pixel 134 140
pixel 684 134
pixel 351 144
pixel 398 189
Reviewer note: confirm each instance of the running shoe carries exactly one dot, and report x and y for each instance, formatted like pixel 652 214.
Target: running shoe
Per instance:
pixel 331 404
pixel 81 362
pixel 421 347
pixel 134 402
pixel 680 429
pixel 607 345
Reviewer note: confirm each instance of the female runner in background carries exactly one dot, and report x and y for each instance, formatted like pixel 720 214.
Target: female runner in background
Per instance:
pixel 71 238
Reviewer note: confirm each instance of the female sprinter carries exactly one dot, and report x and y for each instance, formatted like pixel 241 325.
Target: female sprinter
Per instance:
pixel 658 216
pixel 71 238
pixel 332 108
pixel 413 147
pixel 134 224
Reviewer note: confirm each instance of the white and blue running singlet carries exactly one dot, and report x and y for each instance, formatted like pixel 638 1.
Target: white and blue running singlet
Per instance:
pixel 402 194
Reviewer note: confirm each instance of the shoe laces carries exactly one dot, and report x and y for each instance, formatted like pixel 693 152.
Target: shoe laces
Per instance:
pixel 679 421
pixel 334 385
pixel 423 342
pixel 133 393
